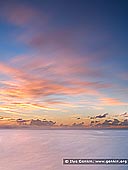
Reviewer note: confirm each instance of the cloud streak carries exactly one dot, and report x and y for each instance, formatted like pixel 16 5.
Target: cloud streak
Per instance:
pixel 111 101
pixel 63 65
pixel 32 83
pixel 19 14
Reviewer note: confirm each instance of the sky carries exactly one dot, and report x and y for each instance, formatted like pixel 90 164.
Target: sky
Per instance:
pixel 62 59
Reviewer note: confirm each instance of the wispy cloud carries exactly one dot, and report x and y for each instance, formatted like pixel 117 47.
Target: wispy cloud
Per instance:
pixel 38 79
pixel 34 81
pixel 63 63
pixel 112 102
pixel 18 13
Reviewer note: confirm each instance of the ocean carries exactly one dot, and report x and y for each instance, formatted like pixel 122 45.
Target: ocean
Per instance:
pixel 45 149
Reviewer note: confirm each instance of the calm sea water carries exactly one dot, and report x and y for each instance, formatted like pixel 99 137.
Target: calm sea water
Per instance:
pixel 44 149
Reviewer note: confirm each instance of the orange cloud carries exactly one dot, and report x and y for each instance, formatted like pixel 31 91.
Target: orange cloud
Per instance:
pixel 31 82
pixel 111 102
pixel 34 80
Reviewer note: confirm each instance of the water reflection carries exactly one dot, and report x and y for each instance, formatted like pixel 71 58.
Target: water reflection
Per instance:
pixel 44 149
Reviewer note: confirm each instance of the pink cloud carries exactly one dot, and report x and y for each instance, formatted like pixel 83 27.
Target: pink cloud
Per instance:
pixel 58 65
pixel 30 80
pixel 19 14
pixel 111 101
pixel 52 38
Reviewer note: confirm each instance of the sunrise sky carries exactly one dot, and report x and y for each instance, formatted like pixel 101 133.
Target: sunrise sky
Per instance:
pixel 61 59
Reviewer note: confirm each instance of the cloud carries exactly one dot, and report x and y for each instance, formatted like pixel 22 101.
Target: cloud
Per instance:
pixel 33 106
pixel 27 122
pixel 101 116
pixel 115 122
pixel 107 123
pixel 63 125
pixel 124 114
pixel 18 13
pixel 124 123
pixel 78 118
pixel 78 124
pixel 53 39
pixel 22 121
pixel 61 71
pixel 111 102
pixel 62 65
pixel 6 69
pixel 92 122
pixel 27 79
pixel 39 122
